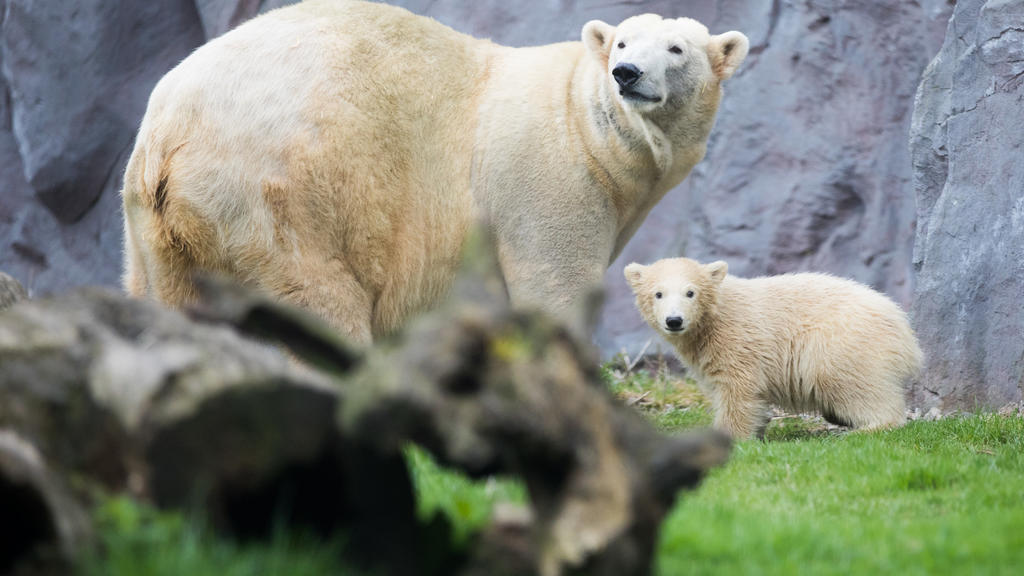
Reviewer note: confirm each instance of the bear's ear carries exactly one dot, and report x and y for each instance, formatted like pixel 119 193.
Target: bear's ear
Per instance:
pixel 597 37
pixel 717 271
pixel 634 274
pixel 727 52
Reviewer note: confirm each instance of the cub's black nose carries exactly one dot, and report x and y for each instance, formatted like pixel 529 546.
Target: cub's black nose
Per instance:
pixel 674 322
pixel 626 74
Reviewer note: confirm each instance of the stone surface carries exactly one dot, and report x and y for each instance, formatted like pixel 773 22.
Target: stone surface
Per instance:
pixel 45 254
pixel 79 76
pixel 5 96
pixel 75 83
pixel 967 147
pixel 219 16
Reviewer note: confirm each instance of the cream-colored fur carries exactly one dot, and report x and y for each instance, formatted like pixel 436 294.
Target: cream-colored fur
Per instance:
pixel 336 153
pixel 804 342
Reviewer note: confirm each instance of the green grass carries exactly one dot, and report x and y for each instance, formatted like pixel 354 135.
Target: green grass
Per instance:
pixel 944 497
pixel 669 402
pixel 466 503
pixel 139 541
pixel 932 497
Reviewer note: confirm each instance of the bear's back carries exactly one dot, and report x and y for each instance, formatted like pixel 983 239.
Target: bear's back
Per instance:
pixel 806 295
pixel 812 336
pixel 818 319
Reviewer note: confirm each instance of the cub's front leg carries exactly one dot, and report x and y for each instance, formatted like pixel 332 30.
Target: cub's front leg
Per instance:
pixel 739 408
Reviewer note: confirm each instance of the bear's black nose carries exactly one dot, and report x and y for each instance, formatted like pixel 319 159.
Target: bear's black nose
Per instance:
pixel 626 74
pixel 674 322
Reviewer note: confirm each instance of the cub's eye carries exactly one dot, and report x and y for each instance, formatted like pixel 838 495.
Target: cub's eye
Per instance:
pixel 657 295
pixel 689 293
pixel 622 45
pixel 674 50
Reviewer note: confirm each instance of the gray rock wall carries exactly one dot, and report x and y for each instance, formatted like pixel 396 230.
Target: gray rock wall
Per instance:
pixel 74 81
pixel 967 146
pixel 807 167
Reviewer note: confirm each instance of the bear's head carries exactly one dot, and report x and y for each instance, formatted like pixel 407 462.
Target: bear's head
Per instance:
pixel 674 294
pixel 656 63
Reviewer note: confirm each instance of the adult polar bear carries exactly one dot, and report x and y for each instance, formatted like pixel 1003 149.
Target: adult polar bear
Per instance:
pixel 336 153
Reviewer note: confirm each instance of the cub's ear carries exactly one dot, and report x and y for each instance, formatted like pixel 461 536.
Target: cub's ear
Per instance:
pixel 597 37
pixel 634 274
pixel 726 52
pixel 717 271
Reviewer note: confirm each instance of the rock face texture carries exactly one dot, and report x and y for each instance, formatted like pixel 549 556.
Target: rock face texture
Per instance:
pixel 74 84
pixel 807 167
pixel 967 145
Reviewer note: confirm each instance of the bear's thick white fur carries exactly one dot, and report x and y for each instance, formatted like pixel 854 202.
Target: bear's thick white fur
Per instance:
pixel 336 153
pixel 804 342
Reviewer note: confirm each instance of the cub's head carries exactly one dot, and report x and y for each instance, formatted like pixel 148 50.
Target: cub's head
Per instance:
pixel 674 294
pixel 654 63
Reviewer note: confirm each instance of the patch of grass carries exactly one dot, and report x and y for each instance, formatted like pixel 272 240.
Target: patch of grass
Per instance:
pixel 140 541
pixel 137 540
pixel 467 503
pixel 944 497
pixel 672 403
pixel 785 428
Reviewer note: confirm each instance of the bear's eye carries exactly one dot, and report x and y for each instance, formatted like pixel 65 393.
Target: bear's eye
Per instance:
pixel 689 293
pixel 657 295
pixel 675 50
pixel 622 45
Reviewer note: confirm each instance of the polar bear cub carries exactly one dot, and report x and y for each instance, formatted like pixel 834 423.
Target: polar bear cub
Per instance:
pixel 804 342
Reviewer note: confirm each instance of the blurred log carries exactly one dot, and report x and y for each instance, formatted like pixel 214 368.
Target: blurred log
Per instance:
pixel 124 395
pixel 489 389
pixel 42 528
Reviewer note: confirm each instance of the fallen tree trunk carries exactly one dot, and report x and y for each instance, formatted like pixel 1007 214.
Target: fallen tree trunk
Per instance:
pixel 125 396
pixel 132 397
pixel 42 526
pixel 488 389
pixel 491 390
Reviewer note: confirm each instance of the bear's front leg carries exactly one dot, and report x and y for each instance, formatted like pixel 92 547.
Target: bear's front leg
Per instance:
pixel 739 410
pixel 552 268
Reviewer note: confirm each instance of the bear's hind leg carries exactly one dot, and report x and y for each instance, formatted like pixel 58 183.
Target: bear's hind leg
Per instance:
pixel 134 279
pixel 330 291
pixel 866 407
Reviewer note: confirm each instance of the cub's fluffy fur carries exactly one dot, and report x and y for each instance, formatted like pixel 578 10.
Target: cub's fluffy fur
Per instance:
pixel 804 342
